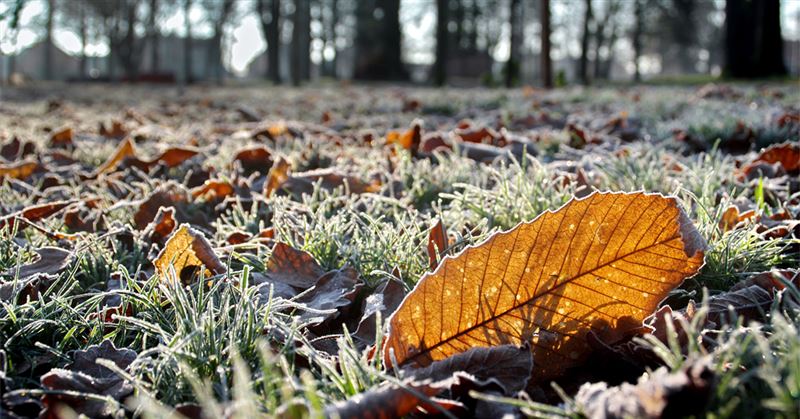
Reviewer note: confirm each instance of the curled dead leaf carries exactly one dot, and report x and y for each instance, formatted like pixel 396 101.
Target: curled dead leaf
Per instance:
pixel 20 170
pixel 599 264
pixel 188 252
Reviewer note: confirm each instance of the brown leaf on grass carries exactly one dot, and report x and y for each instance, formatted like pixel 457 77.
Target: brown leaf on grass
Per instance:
pixel 33 213
pixel 787 154
pixel 85 375
pixel 213 190
pixel 188 252
pixel 293 267
pixel 408 140
pixel 501 369
pixel 172 157
pixel 385 300
pixel 437 243
pixel 169 194
pixel 510 365
pixel 333 292
pixel 277 175
pixel 62 138
pixel 117 130
pixel 162 225
pixel 479 135
pixel 731 217
pixel 599 264
pixel 660 394
pixel 125 150
pixel 20 170
pixel 16 149
pixel 52 260
pixel 256 159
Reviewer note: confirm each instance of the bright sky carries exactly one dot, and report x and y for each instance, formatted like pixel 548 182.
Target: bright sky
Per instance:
pixel 245 41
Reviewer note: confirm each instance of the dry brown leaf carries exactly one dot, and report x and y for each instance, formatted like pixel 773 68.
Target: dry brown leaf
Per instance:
pixel 162 225
pixel 599 264
pixel 408 140
pixel 254 159
pixel 212 190
pixel 126 149
pixel 52 260
pixel 437 243
pixel 787 154
pixel 294 267
pixel 276 177
pixel 20 170
pixel 117 130
pixel 34 213
pixel 188 251
pixel 61 138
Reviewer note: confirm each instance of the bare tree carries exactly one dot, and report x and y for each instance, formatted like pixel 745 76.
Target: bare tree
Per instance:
pixel 187 43
pixel 583 64
pixel 13 14
pixel 218 12
pixel 440 66
pixel 638 32
pixel 301 41
pixel 48 40
pixel 515 24
pixel 753 43
pixel 269 13
pixel 547 65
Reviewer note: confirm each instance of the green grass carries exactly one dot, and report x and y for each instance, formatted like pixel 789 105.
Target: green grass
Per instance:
pixel 233 352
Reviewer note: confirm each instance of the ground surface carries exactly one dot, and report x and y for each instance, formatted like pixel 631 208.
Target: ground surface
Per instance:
pixel 350 181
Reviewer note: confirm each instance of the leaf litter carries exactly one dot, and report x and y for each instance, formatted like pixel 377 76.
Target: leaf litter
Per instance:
pixel 511 288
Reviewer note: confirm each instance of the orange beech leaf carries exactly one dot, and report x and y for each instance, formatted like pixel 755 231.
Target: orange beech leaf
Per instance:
pixel 254 159
pixel 213 190
pixel 117 130
pixel 409 140
pixel 126 149
pixel 19 170
pixel 599 264
pixel 188 251
pixel 293 267
pixel 34 213
pixel 174 156
pixel 61 138
pixel 162 225
pixel 787 154
pixel 437 242
pixel 276 177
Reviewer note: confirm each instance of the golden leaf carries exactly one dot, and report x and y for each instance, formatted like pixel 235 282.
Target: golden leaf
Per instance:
pixel 19 170
pixel 599 264
pixel 126 149
pixel 188 251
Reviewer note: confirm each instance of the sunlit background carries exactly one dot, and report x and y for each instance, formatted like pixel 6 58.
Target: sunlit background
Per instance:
pixel 672 32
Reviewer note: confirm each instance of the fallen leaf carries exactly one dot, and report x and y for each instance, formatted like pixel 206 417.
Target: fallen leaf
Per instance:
pixel 333 291
pixel 20 170
pixel 293 267
pixel 277 175
pixel 437 243
pixel 61 138
pixel 52 260
pixel 599 264
pixel 162 225
pixel 408 140
pixel 661 394
pixel 385 301
pixel 85 375
pixel 787 154
pixel 34 213
pixel 213 190
pixel 126 149
pixel 256 159
pixel 117 130
pixel 188 252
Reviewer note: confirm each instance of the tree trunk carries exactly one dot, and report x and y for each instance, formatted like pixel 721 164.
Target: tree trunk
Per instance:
pixel 583 64
pixel 48 41
pixel 270 25
pixel 301 42
pixel 440 66
pixel 154 35
pixel 334 24
pixel 379 41
pixel 753 42
pixel 187 43
pixel 84 34
pixel 515 25
pixel 547 65
pixel 638 28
